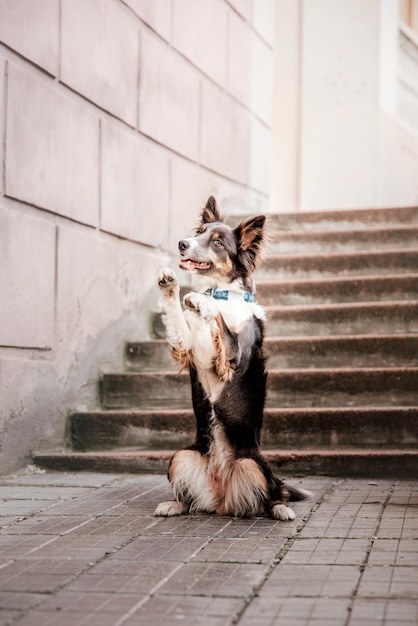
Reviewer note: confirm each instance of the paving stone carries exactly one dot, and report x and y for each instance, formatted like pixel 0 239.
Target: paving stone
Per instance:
pixel 7 616
pixel 47 525
pixel 41 576
pixel 289 580
pixel 215 579
pixel 269 610
pixel 240 550
pixel 87 603
pixel 383 611
pixel 187 610
pixel 34 476
pixel 155 548
pixel 389 581
pixel 326 551
pixel 19 600
pixel 146 577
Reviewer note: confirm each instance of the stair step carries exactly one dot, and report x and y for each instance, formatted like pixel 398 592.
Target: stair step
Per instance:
pixel 348 219
pixel 349 462
pixel 356 351
pixel 343 319
pixel 282 242
pixel 360 263
pixel 288 388
pixel 293 352
pixel 336 290
pixel 354 318
pixel 285 428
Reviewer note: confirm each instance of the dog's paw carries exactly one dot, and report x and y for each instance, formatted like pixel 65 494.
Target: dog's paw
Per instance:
pixel 170 508
pixel 168 283
pixel 199 305
pixel 282 512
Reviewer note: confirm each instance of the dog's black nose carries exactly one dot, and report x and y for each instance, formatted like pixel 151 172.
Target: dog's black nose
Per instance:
pixel 183 245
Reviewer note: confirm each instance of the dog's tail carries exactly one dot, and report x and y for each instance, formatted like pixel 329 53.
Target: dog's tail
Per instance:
pixel 297 494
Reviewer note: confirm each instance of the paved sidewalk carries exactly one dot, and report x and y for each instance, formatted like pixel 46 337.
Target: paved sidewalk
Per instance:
pixel 85 549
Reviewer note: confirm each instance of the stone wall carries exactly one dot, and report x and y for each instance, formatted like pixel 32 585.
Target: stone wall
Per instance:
pixel 117 120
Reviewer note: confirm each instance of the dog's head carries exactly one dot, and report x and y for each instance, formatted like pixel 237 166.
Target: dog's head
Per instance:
pixel 222 253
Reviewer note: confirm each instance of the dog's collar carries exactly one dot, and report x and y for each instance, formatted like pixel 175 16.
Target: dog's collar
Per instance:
pixel 225 294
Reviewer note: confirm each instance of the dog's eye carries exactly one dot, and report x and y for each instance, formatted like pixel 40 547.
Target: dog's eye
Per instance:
pixel 218 243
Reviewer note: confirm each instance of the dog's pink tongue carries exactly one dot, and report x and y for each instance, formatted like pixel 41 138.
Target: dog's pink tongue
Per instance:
pixel 187 264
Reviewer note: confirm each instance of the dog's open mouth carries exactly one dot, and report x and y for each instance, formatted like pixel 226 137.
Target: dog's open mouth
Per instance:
pixel 189 264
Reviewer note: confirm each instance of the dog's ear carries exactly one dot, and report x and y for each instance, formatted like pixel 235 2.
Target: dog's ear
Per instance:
pixel 210 213
pixel 250 237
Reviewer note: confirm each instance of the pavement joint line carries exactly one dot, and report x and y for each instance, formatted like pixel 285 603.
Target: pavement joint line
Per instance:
pixel 372 540
pixel 282 552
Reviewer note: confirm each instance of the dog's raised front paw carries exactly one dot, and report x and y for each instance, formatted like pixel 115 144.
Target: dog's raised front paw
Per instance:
pixel 172 507
pixel 199 305
pixel 282 512
pixel 168 283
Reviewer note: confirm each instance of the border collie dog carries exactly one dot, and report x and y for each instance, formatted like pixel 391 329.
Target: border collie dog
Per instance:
pixel 218 336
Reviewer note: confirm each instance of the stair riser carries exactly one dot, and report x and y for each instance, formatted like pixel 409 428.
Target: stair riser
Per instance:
pixel 298 429
pixel 315 242
pixel 354 219
pixel 321 266
pixel 402 352
pixel 318 292
pixel 341 220
pixel 334 322
pixel 394 466
pixel 324 322
pixel 303 353
pixel 284 389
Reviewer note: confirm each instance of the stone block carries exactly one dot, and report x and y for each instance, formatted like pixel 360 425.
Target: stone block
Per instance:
pixel 100 55
pixel 226 135
pixel 262 80
pixel 243 7
pixel 240 37
pixel 2 106
pixel 199 32
pixel 135 186
pixel 31 414
pixel 169 99
pixel 157 14
pixel 105 292
pixel 32 29
pixel 27 279
pixel 52 148
pixel 250 75
pixel 263 19
pixel 260 156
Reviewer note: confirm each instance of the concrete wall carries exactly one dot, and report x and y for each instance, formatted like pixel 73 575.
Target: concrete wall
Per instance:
pixel 345 116
pixel 117 119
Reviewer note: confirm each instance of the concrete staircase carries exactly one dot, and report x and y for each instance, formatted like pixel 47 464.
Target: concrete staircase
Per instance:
pixel 341 293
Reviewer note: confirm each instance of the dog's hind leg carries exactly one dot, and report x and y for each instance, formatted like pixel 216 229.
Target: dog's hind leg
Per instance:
pixel 189 478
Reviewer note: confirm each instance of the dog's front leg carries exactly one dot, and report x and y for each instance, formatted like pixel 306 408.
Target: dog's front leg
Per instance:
pixel 177 331
pixel 224 342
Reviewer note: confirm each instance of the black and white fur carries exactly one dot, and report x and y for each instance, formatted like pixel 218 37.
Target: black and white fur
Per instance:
pixel 221 343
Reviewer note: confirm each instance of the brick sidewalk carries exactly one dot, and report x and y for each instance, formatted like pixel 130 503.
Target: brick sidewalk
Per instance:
pixel 85 549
